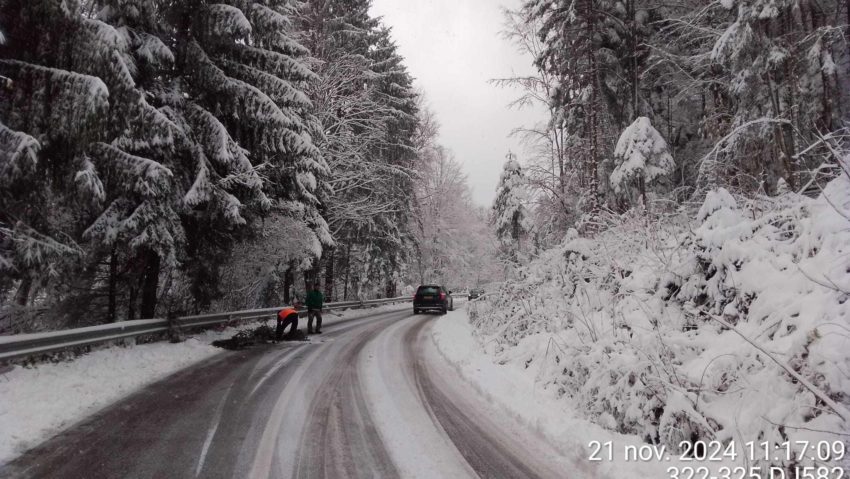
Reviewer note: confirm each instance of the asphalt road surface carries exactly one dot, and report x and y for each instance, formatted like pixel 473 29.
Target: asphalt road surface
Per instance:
pixel 370 397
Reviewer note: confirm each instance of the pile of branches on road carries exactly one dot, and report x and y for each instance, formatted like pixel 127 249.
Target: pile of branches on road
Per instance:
pixel 247 337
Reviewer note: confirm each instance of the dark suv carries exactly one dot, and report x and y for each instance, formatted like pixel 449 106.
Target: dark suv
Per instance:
pixel 431 297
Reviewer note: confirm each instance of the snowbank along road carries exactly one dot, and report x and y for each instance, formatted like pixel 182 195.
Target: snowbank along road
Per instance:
pixel 369 398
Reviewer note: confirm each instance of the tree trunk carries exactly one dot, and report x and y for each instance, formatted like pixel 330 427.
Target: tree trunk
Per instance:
pixel 287 285
pixel 135 284
pixel 308 283
pixel 594 143
pixel 785 137
pixel 133 295
pixel 347 272
pixel 642 188
pixel 420 265
pixel 150 285
pixel 633 43
pixel 389 287
pixel 329 275
pixel 113 286
pixel 593 162
pixel 23 293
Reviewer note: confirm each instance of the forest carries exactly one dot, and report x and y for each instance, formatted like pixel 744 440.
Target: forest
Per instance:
pixel 651 104
pixel 679 227
pixel 165 158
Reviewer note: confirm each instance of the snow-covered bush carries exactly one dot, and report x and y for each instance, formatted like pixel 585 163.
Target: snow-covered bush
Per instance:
pixel 734 326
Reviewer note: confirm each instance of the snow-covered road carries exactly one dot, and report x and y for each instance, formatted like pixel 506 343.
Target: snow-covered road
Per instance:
pixel 369 398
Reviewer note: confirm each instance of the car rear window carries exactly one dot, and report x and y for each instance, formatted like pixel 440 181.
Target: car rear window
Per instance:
pixel 428 290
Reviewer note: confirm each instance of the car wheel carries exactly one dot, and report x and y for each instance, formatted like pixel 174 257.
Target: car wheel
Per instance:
pixel 415 311
pixel 444 311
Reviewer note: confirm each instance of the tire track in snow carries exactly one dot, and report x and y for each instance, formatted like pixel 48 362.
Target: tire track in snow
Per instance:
pixel 319 425
pixel 490 449
pixel 419 446
pixel 340 439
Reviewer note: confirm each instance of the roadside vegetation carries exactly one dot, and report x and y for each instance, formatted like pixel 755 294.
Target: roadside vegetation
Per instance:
pixel 679 240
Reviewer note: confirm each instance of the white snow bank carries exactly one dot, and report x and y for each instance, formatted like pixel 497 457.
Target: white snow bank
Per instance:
pixel 515 389
pixel 38 402
pixel 627 328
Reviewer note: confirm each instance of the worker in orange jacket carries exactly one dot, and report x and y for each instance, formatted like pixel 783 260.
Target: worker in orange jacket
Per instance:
pixel 285 317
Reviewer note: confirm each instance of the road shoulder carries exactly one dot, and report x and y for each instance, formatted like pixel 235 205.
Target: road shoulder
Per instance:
pixel 513 392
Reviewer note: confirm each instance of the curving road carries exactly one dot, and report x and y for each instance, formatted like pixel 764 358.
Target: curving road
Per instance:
pixel 369 398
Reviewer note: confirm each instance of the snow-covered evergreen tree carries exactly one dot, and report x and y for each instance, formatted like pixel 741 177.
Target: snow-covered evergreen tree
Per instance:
pixel 366 105
pixel 395 93
pixel 232 78
pixel 641 159
pixel 510 217
pixel 88 120
pixel 594 51
pixel 145 149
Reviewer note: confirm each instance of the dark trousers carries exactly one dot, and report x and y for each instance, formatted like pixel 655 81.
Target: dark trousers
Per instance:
pixel 314 313
pixel 283 323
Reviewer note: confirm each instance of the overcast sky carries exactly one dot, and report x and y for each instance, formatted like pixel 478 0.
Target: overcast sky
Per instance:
pixel 453 47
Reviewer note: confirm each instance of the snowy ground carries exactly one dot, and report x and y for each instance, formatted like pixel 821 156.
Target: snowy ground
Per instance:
pixel 38 402
pixel 515 391
pixel 728 325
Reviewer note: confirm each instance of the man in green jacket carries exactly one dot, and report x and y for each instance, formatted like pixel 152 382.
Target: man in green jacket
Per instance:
pixel 315 301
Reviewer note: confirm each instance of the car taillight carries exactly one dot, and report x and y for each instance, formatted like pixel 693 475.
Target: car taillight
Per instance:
pixel 442 296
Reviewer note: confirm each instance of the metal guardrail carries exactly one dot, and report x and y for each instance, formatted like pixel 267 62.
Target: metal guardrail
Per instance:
pixel 23 345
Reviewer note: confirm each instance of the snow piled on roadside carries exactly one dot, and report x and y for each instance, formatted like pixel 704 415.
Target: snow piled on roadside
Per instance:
pixel 517 391
pixel 40 401
pixel 626 328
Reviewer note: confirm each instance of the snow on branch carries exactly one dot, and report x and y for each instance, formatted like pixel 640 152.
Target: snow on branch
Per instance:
pixel 280 64
pixel 270 27
pixel 99 42
pixel 278 89
pixel 211 134
pixel 18 155
pixel 641 153
pixel 201 189
pixel 151 49
pixel 88 181
pixel 708 175
pixel 57 98
pixel 269 19
pixel 226 20
pixel 248 101
pixel 37 250
pixel 837 408
pixel 147 177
